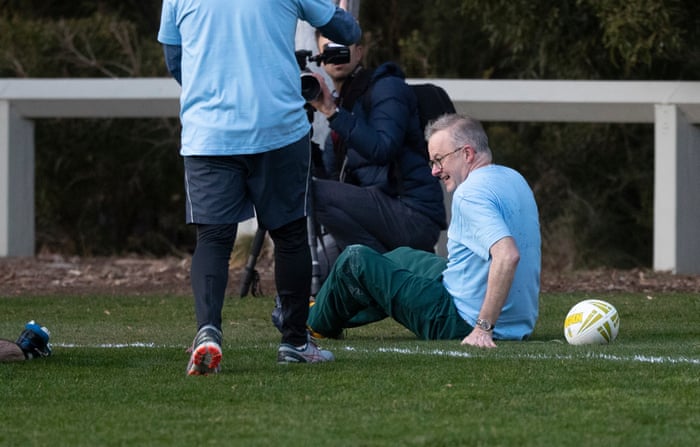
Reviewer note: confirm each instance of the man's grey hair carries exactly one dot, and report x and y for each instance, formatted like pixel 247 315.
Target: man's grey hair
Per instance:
pixel 462 130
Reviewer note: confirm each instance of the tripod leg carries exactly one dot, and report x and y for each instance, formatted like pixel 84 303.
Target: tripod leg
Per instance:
pixel 250 274
pixel 315 266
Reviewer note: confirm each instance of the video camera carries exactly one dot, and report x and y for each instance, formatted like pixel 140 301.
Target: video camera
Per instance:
pixel 332 54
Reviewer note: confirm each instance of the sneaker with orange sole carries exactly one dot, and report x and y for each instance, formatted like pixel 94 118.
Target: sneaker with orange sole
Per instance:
pixel 206 352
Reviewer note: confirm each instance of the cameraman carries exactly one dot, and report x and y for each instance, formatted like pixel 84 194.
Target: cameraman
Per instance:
pixel 378 189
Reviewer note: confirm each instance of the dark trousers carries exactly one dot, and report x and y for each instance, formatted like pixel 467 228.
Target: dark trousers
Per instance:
pixel 368 216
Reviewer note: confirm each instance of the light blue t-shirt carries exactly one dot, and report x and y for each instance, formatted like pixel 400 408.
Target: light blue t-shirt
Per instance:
pixel 492 203
pixel 241 91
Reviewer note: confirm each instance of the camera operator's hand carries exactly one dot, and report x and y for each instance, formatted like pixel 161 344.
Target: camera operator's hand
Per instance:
pixel 324 103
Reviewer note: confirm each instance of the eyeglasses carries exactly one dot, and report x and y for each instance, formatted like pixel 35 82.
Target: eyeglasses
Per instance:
pixel 438 160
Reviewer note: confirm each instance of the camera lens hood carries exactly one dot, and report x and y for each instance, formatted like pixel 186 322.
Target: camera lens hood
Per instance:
pixel 310 87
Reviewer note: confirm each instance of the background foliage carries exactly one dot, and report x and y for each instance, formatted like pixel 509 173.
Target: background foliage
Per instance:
pixel 114 186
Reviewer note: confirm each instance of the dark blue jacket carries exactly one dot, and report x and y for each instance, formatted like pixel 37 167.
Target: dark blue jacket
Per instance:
pixel 385 144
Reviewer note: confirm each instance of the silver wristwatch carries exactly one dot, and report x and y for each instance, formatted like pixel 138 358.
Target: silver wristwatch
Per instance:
pixel 484 324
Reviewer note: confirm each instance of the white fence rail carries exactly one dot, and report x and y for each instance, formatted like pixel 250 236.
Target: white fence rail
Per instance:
pixel 673 108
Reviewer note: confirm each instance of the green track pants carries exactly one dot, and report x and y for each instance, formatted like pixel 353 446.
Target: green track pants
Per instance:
pixel 365 286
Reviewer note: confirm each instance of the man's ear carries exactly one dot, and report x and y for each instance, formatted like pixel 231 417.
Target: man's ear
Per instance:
pixel 469 152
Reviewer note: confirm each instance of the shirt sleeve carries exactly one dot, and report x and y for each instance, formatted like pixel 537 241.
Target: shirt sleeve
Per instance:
pixel 342 28
pixel 168 32
pixel 477 222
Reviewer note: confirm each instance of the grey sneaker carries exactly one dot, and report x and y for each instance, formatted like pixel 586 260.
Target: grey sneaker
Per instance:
pixel 206 352
pixel 307 353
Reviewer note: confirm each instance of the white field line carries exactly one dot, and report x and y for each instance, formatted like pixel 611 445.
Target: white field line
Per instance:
pixel 587 355
pixel 443 353
pixel 113 345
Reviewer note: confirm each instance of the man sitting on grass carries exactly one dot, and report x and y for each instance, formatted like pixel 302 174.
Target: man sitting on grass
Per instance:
pixel 33 342
pixel 488 287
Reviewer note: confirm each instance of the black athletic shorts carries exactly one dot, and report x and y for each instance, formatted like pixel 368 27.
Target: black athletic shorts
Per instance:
pixel 230 189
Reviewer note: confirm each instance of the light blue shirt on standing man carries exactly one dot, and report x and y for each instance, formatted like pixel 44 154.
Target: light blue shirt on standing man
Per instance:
pixel 219 115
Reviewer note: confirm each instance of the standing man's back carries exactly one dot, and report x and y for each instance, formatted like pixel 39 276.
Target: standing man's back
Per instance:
pixel 240 79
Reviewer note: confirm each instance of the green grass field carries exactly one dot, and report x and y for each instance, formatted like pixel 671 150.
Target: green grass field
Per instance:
pixel 117 378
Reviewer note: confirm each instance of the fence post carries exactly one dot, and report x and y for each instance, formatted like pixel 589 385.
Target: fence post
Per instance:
pixel 676 191
pixel 16 183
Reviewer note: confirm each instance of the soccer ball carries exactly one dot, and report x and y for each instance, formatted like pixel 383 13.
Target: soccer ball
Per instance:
pixel 591 322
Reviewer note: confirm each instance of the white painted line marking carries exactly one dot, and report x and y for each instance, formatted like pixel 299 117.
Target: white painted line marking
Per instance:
pixel 587 355
pixel 440 353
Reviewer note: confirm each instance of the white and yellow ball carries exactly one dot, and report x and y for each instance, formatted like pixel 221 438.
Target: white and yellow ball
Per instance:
pixel 591 322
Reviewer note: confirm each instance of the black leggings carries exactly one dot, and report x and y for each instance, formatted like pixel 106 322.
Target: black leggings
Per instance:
pixel 209 275
pixel 293 278
pixel 209 272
